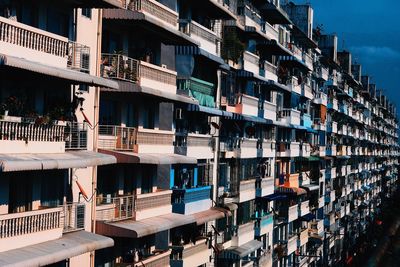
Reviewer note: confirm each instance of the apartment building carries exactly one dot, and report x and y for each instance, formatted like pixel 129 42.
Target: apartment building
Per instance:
pixel 185 133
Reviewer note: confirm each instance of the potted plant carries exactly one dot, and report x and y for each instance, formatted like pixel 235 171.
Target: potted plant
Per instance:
pixel 3 109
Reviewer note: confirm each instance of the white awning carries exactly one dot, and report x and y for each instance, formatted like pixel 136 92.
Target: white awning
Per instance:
pixel 145 227
pixel 149 158
pixel 71 75
pixel 243 250
pixel 51 161
pixel 210 215
pixel 69 245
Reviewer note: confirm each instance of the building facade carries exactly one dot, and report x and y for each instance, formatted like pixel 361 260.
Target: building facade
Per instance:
pixel 185 133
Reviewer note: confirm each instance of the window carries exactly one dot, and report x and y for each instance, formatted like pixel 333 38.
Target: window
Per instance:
pixel 87 12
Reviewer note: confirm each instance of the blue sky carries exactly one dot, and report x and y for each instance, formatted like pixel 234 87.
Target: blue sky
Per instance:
pixel 371 31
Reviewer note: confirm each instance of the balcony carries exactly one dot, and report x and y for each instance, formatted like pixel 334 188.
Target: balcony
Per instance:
pixel 240 147
pixel 23 135
pixel 321 99
pixel 270 110
pixel 333 104
pixel 245 104
pixel 251 62
pixel 208 39
pixel 153 204
pixel 293 84
pixel 303 237
pixel 202 91
pixel 304 208
pixel 305 150
pixel 289 116
pixel 156 11
pixel 265 187
pixel 190 254
pixel 268 148
pixel 297 53
pixel 308 60
pixel 332 127
pixel 20 40
pixel 322 73
pixel 247 190
pixel 161 259
pixel 245 233
pixel 120 67
pixel 306 91
pixel 292 244
pixel 191 200
pixel 271 32
pixel 140 140
pixel 319 125
pixel 288 149
pixel 330 197
pixel 264 225
pixel 269 71
pixel 293 213
pixel 317 229
pixel 200 146
pixel 306 120
pixel 33 227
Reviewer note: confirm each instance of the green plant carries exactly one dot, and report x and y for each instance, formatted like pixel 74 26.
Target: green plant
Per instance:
pixel 232 47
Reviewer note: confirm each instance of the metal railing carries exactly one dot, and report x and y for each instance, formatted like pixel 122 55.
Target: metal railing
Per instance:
pixel 117 137
pixel 29 37
pixel 155 9
pixel 73 217
pixel 119 67
pixel 78 57
pixel 75 136
pixel 121 207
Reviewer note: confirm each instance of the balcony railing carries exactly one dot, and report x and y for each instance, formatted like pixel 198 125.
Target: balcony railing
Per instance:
pixel 69 217
pixel 153 200
pixel 121 67
pixel 78 57
pixel 29 37
pixel 72 133
pixel 155 9
pixel 115 208
pixel 116 137
pixel 73 217
pixel 191 194
pixel 23 223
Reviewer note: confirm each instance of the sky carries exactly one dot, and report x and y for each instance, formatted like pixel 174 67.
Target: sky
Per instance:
pixel 370 30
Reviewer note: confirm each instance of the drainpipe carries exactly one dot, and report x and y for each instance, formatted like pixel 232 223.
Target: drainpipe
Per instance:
pixel 216 141
pixel 95 130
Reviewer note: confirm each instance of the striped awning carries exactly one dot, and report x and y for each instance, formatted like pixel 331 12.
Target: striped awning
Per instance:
pixel 273 47
pixel 73 76
pixel 208 110
pixel 68 246
pixel 197 51
pixel 236 253
pixel 291 190
pixel 53 161
pixel 293 61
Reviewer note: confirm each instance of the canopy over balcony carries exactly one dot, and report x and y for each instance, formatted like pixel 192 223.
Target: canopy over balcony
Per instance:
pixel 142 22
pixel 75 77
pixel 68 246
pixel 236 253
pixel 149 158
pixel 51 161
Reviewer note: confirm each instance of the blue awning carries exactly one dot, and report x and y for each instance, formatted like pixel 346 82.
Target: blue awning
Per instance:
pixel 197 51
pixel 298 127
pixel 242 117
pixel 275 196
pixel 308 217
pixel 208 110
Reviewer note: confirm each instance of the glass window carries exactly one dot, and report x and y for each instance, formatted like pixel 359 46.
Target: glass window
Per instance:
pixel 87 12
